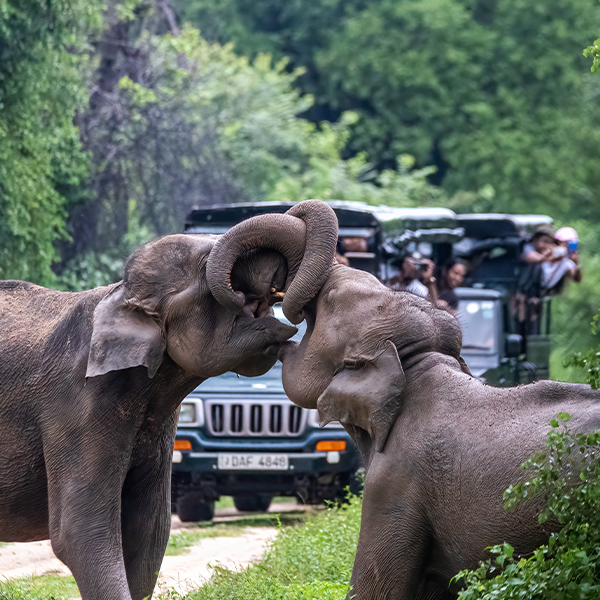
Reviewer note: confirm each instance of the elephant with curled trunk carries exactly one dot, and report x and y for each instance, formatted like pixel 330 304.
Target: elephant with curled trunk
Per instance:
pixel 440 446
pixel 91 382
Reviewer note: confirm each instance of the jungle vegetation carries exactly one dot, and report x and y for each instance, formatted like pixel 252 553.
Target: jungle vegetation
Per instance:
pixel 117 116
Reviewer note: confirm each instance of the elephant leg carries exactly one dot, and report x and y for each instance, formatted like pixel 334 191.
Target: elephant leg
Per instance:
pixel 146 523
pixel 84 498
pixel 392 549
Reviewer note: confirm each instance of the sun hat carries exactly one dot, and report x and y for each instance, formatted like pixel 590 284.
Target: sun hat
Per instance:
pixel 566 234
pixel 544 229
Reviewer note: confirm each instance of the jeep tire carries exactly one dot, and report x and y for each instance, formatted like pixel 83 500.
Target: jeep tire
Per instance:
pixel 256 503
pixel 192 507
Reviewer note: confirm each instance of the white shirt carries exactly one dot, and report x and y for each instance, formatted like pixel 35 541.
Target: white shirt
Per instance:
pixel 552 272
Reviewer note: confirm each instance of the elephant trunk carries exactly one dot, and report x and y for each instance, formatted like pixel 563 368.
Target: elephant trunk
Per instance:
pixel 306 235
pixel 319 256
pixel 302 385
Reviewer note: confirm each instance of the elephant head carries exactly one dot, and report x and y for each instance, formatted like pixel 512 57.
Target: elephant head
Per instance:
pixel 204 302
pixel 363 344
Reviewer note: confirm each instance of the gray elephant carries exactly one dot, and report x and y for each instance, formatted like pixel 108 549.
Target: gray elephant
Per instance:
pixel 439 445
pixel 90 384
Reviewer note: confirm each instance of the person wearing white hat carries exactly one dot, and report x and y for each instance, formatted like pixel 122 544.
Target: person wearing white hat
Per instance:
pixel 553 252
pixel 568 237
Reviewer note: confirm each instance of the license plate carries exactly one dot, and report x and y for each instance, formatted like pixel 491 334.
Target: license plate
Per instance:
pixel 253 462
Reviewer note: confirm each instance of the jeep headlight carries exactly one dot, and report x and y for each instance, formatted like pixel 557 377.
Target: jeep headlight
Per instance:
pixel 191 413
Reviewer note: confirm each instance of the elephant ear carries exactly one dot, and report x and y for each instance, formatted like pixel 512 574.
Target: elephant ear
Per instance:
pixel 123 337
pixel 368 395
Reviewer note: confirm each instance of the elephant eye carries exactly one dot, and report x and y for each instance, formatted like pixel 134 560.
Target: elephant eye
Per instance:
pixel 352 363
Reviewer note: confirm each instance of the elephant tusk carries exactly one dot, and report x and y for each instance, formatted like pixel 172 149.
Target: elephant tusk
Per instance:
pixel 276 294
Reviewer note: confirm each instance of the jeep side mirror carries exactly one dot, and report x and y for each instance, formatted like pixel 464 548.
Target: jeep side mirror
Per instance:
pixel 514 345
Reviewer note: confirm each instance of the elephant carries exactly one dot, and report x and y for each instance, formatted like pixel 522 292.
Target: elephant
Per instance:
pixel 440 446
pixel 91 382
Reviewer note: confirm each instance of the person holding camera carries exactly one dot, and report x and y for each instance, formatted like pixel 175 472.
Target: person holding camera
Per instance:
pixel 559 258
pixel 568 240
pixel 453 274
pixel 415 275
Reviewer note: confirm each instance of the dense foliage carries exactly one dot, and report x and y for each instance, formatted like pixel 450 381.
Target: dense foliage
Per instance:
pixel 225 129
pixel 494 99
pixel 117 116
pixel 42 84
pixel 171 121
pixel 496 95
pixel 568 567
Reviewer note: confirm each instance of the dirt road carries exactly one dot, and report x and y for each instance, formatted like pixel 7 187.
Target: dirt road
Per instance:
pixel 182 572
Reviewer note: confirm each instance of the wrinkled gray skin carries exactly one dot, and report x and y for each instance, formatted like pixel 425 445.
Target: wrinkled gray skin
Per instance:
pixel 90 385
pixel 440 446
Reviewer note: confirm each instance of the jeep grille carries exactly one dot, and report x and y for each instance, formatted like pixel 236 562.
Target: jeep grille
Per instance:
pixel 269 418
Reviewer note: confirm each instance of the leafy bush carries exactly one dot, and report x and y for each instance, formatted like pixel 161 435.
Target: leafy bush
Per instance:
pixel 568 567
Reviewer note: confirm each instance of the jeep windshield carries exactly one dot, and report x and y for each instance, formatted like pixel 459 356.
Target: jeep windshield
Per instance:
pixel 478 322
pixel 480 318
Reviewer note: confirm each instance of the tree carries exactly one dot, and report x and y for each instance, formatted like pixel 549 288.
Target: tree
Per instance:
pixel 291 29
pixel 495 95
pixel 501 104
pixel 175 121
pixel 42 85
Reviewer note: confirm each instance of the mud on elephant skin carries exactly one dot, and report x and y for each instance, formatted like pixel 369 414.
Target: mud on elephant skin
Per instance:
pixel 90 384
pixel 440 446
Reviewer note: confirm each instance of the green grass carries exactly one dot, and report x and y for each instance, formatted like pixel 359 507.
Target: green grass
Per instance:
pixel 224 502
pixel 308 562
pixel 284 499
pixel 39 587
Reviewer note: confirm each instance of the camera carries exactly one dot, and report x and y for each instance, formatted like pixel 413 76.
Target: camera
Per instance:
pixel 559 251
pixel 421 265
